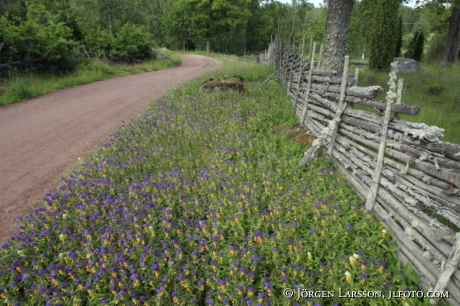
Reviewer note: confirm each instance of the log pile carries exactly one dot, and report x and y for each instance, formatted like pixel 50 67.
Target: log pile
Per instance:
pixel 407 174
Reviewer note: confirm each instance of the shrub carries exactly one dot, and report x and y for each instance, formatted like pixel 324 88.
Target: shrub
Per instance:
pixel 415 49
pixel 131 41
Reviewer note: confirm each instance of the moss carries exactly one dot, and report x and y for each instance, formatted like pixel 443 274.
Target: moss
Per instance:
pixel 222 85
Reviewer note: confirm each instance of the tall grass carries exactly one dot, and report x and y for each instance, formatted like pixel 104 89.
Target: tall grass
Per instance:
pixel 441 110
pixel 21 87
pixel 198 202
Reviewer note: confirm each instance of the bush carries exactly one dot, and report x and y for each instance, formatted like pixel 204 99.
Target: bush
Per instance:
pixel 131 42
pixel 415 49
pixel 53 41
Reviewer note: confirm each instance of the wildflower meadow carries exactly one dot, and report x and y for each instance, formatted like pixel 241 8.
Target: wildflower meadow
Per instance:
pixel 198 202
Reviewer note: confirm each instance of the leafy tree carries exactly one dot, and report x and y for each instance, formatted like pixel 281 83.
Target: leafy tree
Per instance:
pixel 384 34
pixel 361 20
pixel 436 48
pixel 178 23
pixel 336 43
pixel 452 46
pixel 209 18
pixel 415 49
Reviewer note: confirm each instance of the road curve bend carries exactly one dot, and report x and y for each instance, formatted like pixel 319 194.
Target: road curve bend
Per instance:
pixel 40 139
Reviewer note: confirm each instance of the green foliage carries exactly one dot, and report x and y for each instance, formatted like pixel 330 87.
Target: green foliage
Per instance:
pixel 399 34
pixel 209 18
pixel 131 41
pixel 442 110
pixel 360 25
pixel 436 48
pixel 415 49
pixel 384 34
pixel 22 87
pixel 39 34
pixel 314 24
pixel 203 182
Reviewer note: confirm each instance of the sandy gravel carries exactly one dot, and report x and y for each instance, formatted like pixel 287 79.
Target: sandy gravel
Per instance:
pixel 42 138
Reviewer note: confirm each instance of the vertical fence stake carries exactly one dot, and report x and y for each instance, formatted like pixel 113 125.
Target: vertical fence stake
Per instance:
pixel 331 129
pixel 290 72
pixel 320 56
pixel 400 88
pixel 391 97
pixel 341 106
pixel 307 93
pixel 300 75
pixel 449 268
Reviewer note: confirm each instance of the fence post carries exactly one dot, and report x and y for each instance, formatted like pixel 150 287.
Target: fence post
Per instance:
pixel 400 88
pixel 341 106
pixel 307 93
pixel 391 97
pixel 320 56
pixel 300 75
pixel 290 72
pixel 331 129
pixel 447 270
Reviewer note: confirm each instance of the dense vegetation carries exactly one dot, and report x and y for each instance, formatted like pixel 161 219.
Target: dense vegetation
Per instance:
pixel 59 30
pixel 198 202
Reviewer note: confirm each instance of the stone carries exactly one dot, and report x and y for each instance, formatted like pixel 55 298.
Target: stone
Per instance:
pixel 223 85
pixel 405 64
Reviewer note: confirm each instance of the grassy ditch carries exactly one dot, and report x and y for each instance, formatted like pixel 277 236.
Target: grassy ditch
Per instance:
pixel 198 202
pixel 21 87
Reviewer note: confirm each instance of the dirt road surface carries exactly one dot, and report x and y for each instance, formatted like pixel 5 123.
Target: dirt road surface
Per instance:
pixel 42 138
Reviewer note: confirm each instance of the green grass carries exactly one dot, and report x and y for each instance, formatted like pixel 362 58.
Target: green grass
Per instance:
pixel 26 86
pixel 441 110
pixel 198 202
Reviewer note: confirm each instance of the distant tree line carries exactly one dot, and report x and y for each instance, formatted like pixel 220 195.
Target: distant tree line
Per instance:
pixel 58 30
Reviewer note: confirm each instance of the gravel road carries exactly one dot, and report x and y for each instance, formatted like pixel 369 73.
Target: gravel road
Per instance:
pixel 41 139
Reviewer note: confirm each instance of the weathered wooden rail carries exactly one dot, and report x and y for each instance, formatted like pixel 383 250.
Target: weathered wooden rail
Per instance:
pixel 406 174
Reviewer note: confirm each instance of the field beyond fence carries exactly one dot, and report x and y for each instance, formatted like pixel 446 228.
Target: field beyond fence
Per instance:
pixel 407 175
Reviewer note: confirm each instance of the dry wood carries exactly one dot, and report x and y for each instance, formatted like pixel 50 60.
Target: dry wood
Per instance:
pixel 341 107
pixel 415 176
pixel 400 88
pixel 391 96
pixel 360 92
pixel 399 108
pixel 428 238
pixel 441 174
pixel 419 174
pixel 312 58
pixel 449 268
pixel 300 72
pixel 426 269
pixel 318 66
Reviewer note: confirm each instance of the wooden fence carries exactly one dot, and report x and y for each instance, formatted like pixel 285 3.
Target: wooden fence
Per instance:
pixel 402 169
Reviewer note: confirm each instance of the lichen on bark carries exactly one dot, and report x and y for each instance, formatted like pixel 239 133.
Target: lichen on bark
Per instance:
pixel 336 43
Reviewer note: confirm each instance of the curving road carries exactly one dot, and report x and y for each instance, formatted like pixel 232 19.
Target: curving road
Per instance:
pixel 40 139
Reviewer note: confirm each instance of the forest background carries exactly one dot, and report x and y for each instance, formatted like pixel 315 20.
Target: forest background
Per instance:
pixel 58 31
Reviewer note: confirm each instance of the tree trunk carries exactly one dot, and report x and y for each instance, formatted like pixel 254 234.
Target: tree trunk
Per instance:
pixel 110 19
pixel 336 44
pixel 208 45
pixel 184 42
pixel 453 40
